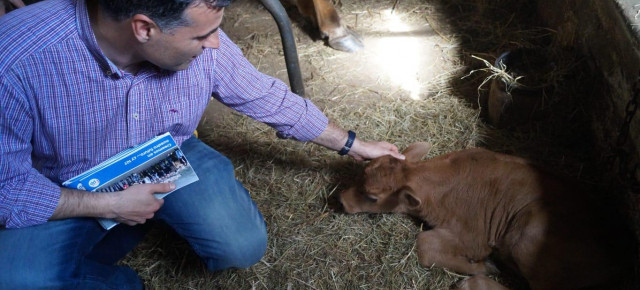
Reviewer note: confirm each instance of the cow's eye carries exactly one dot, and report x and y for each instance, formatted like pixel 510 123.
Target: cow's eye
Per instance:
pixel 371 198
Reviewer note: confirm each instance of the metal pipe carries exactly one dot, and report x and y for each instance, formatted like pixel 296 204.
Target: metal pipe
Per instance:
pixel 288 44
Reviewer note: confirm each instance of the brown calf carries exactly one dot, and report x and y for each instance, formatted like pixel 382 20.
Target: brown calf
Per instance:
pixel 324 16
pixel 483 204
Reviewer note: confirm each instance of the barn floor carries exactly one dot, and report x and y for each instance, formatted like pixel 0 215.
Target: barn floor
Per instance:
pixel 419 78
pixel 406 58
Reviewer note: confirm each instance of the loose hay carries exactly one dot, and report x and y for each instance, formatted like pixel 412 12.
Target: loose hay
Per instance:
pixel 312 246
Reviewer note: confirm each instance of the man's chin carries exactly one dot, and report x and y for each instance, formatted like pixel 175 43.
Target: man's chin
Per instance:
pixel 183 66
pixel 179 67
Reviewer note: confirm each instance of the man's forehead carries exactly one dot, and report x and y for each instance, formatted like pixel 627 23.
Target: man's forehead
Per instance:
pixel 203 20
pixel 199 14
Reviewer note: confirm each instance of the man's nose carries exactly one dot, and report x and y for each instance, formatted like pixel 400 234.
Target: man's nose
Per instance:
pixel 213 41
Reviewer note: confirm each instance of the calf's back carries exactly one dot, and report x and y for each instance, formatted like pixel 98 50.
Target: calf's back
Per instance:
pixel 549 229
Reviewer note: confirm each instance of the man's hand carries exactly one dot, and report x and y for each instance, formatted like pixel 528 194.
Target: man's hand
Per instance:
pixel 362 150
pixel 334 137
pixel 137 204
pixel 131 206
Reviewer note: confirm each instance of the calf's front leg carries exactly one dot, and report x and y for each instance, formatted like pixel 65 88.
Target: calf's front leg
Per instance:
pixel 479 282
pixel 441 248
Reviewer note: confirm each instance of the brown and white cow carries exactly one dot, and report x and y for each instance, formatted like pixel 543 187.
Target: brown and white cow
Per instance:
pixel 324 16
pixel 482 204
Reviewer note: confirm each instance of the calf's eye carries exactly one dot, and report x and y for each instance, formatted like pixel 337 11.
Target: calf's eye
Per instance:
pixel 370 198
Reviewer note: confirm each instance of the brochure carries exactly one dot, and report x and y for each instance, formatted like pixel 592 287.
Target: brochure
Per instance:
pixel 155 161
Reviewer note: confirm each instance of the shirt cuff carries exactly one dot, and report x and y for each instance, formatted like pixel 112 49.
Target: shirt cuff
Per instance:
pixel 309 127
pixel 32 203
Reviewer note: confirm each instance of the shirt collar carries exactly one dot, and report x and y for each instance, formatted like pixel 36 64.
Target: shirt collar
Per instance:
pixel 89 39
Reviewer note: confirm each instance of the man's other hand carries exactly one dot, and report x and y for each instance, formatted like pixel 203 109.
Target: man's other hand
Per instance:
pixel 137 204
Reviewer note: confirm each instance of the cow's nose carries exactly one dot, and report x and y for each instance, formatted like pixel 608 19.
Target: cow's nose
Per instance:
pixel 347 207
pixel 349 199
pixel 340 203
pixel 334 202
pixel 340 206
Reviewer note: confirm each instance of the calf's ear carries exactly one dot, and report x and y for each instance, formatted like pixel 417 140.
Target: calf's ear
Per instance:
pixel 409 198
pixel 416 151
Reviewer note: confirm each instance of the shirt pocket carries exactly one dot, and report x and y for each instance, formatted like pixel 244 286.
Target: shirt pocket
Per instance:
pixel 179 107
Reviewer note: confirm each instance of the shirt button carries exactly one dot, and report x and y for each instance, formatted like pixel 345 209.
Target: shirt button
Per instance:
pixel 109 73
pixel 135 116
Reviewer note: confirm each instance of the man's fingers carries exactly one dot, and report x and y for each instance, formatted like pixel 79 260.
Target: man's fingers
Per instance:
pixel 372 150
pixel 164 187
pixel 129 222
pixel 136 220
pixel 159 187
pixel 397 155
pixel 138 204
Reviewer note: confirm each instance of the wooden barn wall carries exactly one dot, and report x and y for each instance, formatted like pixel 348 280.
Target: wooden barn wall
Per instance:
pixel 604 31
pixel 607 33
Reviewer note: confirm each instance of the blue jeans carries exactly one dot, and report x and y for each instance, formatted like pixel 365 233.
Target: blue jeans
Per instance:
pixel 215 215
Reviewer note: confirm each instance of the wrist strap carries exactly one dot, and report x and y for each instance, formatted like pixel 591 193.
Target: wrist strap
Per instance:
pixel 347 146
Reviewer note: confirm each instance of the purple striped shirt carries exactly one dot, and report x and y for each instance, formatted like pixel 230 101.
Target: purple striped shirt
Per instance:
pixel 66 107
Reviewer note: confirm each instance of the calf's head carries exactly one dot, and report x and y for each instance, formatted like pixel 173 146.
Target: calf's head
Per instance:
pixel 384 186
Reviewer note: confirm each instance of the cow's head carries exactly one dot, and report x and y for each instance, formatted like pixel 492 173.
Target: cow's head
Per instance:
pixel 384 186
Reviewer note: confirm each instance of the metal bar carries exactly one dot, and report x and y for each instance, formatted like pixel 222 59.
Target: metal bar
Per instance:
pixel 288 44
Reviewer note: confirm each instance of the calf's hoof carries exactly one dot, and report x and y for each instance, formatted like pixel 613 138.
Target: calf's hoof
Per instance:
pixel 349 42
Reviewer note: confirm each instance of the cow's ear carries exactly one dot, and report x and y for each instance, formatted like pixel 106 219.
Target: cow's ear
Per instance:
pixel 416 151
pixel 409 198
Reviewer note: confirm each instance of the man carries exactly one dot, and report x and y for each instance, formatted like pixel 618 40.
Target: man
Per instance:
pixel 81 81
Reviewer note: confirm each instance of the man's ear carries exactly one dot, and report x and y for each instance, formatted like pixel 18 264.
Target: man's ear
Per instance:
pixel 143 27
pixel 409 198
pixel 416 151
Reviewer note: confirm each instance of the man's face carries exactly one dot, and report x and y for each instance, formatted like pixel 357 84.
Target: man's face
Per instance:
pixel 175 49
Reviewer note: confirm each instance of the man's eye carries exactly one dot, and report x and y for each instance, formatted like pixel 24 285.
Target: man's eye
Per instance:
pixel 371 199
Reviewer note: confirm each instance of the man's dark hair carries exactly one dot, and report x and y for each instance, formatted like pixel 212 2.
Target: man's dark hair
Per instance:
pixel 167 14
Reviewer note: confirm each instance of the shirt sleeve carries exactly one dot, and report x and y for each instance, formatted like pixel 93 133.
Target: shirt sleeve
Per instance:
pixel 239 85
pixel 26 196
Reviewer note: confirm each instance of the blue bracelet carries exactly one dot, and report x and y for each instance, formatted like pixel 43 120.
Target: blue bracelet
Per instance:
pixel 347 146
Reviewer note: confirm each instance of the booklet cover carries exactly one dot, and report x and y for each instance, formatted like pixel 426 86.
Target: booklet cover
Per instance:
pixel 157 160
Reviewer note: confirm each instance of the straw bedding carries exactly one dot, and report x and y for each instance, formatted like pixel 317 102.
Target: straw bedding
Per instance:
pixel 313 246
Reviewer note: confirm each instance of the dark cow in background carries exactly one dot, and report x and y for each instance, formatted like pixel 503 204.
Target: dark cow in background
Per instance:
pixel 324 16
pixel 490 209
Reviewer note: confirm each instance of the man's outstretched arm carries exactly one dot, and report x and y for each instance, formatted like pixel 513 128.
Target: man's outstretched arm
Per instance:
pixel 334 138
